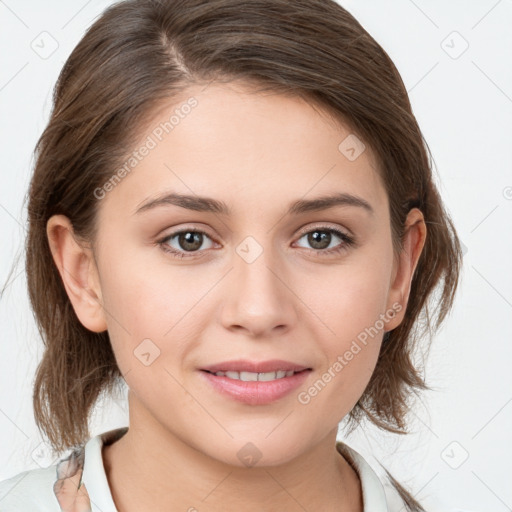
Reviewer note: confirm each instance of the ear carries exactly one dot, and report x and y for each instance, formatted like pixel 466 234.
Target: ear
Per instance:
pixel 78 272
pixel 415 234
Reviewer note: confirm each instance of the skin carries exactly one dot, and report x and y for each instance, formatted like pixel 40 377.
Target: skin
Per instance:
pixel 257 153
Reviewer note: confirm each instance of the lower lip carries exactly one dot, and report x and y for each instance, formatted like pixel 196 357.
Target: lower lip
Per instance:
pixel 256 392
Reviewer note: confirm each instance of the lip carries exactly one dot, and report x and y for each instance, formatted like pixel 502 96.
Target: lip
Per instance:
pixel 255 392
pixel 243 365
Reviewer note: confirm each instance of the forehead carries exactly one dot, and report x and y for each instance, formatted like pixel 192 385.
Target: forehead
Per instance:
pixel 248 149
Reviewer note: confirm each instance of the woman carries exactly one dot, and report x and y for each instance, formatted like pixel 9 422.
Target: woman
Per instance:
pixel 232 211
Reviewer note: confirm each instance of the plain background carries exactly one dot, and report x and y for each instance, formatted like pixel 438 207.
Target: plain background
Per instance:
pixel 455 59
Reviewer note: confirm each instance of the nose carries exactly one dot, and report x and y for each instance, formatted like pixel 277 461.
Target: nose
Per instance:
pixel 259 299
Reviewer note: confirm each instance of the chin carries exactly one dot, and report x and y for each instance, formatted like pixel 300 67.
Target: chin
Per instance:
pixel 259 452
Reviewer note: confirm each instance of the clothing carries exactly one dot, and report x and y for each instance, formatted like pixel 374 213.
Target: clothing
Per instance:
pixel 46 490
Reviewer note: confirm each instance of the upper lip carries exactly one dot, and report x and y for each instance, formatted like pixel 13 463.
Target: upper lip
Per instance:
pixel 255 366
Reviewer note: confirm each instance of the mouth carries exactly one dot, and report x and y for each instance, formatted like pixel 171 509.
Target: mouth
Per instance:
pixel 255 383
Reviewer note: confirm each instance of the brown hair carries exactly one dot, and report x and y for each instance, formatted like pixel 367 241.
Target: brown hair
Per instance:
pixel 142 51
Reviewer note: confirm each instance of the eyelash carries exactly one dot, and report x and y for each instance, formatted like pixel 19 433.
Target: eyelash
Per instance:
pixel 348 242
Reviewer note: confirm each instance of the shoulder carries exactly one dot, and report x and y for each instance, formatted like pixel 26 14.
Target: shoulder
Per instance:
pixel 39 489
pixel 65 484
pixel 30 491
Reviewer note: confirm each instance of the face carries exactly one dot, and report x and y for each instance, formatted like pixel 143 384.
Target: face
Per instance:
pixel 257 280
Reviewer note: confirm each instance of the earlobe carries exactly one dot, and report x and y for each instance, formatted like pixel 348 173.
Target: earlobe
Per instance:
pixel 78 272
pixel 415 234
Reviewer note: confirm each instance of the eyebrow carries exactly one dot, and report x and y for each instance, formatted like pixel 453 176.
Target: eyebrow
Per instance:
pixel 210 205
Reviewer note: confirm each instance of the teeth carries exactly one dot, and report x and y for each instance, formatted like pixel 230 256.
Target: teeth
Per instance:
pixel 251 376
pixel 246 376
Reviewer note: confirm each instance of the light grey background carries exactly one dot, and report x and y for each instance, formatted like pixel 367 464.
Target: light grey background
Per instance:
pixel 459 456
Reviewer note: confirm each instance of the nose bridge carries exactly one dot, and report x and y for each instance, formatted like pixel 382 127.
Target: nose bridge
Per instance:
pixel 258 299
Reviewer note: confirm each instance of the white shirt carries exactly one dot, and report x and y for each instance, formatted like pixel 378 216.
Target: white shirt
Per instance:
pixel 33 491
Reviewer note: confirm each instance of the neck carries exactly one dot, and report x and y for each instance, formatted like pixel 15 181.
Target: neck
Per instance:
pixel 158 471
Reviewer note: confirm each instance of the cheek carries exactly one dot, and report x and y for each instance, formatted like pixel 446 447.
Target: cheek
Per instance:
pixel 145 294
pixel 349 303
pixel 348 299
pixel 148 300
pixel 350 342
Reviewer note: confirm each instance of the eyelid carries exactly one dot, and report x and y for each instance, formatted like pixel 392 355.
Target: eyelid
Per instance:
pixel 176 230
pixel 324 225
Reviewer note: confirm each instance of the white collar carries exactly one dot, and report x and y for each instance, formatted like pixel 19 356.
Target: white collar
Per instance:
pixel 374 497
pixel 94 476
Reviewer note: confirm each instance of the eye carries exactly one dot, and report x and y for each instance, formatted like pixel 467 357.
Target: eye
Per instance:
pixel 321 239
pixel 186 240
pixel 191 241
